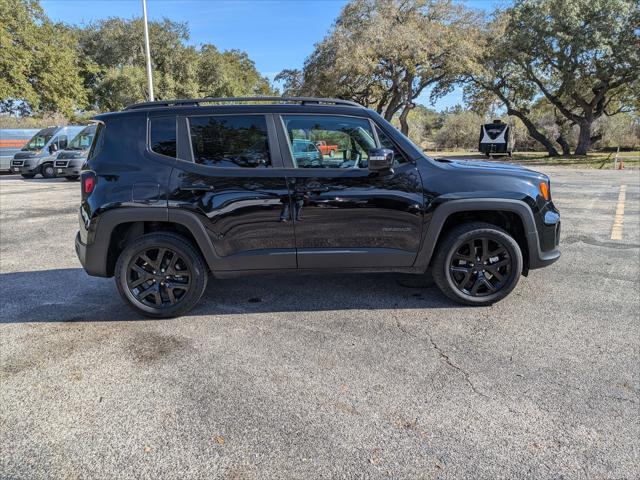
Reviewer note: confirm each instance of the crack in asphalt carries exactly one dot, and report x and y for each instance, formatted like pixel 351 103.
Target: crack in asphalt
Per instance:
pixel 444 357
pixel 597 243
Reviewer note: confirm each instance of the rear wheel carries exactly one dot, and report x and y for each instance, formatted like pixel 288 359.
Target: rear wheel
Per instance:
pixel 72 178
pixel 48 171
pixel 161 275
pixel 477 264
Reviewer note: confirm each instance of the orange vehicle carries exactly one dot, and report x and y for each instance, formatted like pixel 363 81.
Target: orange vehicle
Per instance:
pixel 326 149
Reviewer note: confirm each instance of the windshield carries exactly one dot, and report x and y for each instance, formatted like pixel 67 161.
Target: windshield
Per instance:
pixel 83 140
pixel 39 140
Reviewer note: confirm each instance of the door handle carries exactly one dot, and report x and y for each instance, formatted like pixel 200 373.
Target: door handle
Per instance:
pixel 198 187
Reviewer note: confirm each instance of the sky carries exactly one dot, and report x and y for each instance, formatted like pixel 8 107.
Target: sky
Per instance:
pixel 275 34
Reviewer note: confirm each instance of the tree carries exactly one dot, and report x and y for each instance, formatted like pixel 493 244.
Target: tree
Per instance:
pixel 229 74
pixel 116 46
pixel 39 70
pixel 492 76
pixel 385 53
pixel 460 130
pixel 582 55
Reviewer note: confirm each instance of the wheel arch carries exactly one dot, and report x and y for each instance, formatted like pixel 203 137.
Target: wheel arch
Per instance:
pixel 513 216
pixel 119 227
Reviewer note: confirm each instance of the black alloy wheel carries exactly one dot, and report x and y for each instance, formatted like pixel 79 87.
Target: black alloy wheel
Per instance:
pixel 477 264
pixel 158 277
pixel 161 275
pixel 480 266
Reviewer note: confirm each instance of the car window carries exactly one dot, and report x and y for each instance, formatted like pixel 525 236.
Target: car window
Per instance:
pixel 230 141
pixel 62 142
pixel 386 142
pixel 162 135
pixel 325 141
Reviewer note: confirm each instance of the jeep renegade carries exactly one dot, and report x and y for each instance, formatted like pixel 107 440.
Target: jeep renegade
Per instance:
pixel 175 191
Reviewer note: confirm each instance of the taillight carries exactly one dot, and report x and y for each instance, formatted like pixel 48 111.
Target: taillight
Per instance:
pixel 88 183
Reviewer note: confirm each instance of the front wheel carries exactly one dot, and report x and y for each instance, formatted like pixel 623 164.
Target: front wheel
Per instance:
pixel 48 171
pixel 161 275
pixel 477 264
pixel 27 175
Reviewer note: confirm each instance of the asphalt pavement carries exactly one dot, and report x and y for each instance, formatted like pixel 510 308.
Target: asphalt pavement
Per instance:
pixel 337 376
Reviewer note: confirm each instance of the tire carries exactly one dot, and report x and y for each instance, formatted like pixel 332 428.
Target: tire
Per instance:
pixel 72 178
pixel 188 261
pixel 48 171
pixel 27 175
pixel 501 271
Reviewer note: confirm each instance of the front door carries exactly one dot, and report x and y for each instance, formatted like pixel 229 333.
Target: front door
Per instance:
pixel 344 215
pixel 236 185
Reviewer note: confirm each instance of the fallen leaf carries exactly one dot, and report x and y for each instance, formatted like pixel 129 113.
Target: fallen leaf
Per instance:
pixel 219 439
pixel 147 449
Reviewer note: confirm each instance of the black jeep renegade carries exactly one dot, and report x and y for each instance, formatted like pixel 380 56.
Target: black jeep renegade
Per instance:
pixel 175 191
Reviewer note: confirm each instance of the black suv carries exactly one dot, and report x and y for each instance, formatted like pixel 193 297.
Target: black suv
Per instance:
pixel 173 191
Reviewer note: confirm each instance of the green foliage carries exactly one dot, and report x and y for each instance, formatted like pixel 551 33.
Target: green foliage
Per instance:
pixel 39 68
pixel 229 74
pixel 460 130
pixel 46 67
pixel 582 56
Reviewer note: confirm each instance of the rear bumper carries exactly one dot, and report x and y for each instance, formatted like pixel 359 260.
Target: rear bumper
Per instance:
pixel 92 259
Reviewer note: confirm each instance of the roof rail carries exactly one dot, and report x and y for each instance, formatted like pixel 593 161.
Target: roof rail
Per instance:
pixel 198 101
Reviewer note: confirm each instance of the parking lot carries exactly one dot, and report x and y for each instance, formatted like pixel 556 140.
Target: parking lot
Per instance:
pixel 350 376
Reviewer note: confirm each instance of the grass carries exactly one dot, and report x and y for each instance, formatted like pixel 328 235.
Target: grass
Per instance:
pixel 599 160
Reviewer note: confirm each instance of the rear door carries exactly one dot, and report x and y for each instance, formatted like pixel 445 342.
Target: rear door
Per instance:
pixel 346 216
pixel 230 175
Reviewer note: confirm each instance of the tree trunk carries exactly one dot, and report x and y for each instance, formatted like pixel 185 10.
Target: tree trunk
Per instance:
pixel 584 138
pixel 566 149
pixel 534 132
pixel 404 125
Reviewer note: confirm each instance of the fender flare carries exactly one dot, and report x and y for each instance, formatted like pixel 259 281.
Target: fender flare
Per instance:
pixel 96 261
pixel 445 210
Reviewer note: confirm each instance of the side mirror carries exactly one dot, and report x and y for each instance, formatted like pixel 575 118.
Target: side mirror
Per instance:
pixel 53 148
pixel 380 159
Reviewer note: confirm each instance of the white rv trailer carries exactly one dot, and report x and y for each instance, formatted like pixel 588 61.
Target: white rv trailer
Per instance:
pixel 496 139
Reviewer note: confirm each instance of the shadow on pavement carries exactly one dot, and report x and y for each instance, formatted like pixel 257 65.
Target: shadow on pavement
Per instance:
pixel 70 295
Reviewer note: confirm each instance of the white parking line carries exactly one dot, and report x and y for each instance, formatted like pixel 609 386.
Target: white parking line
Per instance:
pixel 616 230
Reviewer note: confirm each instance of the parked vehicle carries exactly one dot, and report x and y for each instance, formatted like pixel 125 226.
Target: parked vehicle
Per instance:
pixel 168 198
pixel 68 163
pixel 11 141
pixel 326 149
pixel 306 153
pixel 38 155
pixel 496 139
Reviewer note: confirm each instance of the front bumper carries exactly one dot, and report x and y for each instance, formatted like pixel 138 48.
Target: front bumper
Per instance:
pixel 64 168
pixel 19 166
pixel 546 239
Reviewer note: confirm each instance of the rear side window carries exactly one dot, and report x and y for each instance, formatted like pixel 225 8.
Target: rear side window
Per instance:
pixel 162 136
pixel 230 141
pixel 98 141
